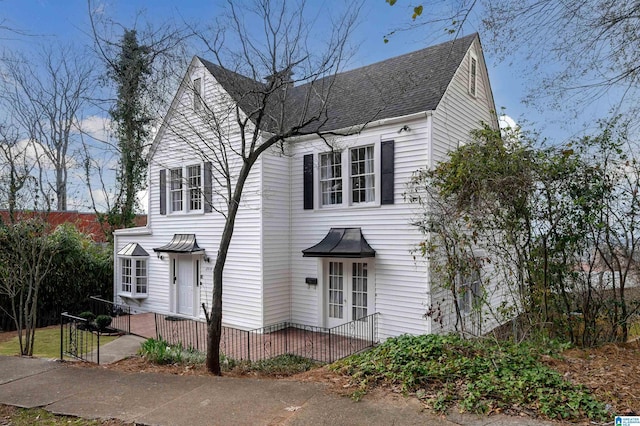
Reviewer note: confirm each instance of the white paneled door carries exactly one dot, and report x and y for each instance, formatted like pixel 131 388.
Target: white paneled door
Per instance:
pixel 186 277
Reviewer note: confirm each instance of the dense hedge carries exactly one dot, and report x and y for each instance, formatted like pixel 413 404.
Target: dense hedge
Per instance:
pixel 81 268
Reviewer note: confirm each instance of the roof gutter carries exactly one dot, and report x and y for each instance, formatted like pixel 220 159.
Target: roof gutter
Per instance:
pixel 352 130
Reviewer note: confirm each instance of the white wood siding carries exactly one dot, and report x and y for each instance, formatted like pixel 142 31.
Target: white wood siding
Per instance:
pixel 400 281
pixel 458 112
pixel 455 117
pixel 181 145
pixel 276 238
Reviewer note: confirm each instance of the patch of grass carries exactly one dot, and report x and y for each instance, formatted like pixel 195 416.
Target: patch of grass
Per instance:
pixel 46 344
pixel 479 376
pixel 36 416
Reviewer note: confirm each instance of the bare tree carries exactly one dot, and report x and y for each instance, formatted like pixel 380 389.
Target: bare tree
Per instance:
pixel 263 107
pixel 15 169
pixel 46 95
pixel 576 52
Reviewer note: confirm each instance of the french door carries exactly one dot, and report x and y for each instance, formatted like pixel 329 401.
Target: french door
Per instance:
pixel 348 291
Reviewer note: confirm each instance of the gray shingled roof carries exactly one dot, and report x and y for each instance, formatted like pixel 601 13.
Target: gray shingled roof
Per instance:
pixel 404 85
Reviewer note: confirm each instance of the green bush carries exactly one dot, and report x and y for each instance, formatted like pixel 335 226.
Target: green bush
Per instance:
pixel 80 268
pixel 162 353
pixel 102 322
pixel 477 375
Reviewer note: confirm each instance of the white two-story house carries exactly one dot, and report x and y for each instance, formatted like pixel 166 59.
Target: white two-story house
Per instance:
pixel 323 234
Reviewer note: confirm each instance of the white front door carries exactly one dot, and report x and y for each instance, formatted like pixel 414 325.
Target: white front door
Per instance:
pixel 349 291
pixel 186 281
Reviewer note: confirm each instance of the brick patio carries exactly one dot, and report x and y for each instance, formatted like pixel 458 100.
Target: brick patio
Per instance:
pixel 321 344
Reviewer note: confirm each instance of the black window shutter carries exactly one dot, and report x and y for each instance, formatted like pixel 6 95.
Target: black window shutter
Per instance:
pixel 387 170
pixel 163 191
pixel 207 188
pixel 308 181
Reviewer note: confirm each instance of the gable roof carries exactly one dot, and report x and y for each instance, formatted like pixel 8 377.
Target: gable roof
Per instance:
pixel 399 86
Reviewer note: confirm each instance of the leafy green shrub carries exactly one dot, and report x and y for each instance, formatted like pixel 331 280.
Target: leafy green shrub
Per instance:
pixel 477 375
pixel 87 315
pixel 161 352
pixel 102 322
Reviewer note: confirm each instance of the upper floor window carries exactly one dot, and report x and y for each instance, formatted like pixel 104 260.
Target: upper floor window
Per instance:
pixel 473 75
pixel 331 178
pixel 362 175
pixel 194 179
pixel 186 189
pixel 175 189
pixel 365 174
pixel 197 94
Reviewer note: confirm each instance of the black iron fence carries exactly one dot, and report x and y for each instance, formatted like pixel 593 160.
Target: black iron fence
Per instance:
pixel 317 343
pixel 77 340
pixel 120 313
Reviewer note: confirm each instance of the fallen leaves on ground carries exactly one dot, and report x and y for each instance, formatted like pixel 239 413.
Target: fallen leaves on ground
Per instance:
pixel 611 372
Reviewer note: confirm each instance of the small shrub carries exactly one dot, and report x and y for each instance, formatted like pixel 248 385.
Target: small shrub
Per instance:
pixel 160 352
pixel 87 315
pixel 102 322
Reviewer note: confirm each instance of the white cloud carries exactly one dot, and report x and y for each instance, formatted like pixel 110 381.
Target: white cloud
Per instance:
pixel 96 127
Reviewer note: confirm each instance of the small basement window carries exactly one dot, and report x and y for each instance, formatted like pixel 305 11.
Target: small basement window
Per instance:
pixel 133 271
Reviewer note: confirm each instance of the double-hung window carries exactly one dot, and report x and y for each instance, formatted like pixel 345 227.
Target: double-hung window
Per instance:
pixel 331 178
pixel 175 189
pixel 348 176
pixel 194 180
pixel 186 189
pixel 363 176
pixel 469 289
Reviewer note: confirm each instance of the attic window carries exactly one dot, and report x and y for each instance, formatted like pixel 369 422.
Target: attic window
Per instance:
pixel 197 94
pixel 473 75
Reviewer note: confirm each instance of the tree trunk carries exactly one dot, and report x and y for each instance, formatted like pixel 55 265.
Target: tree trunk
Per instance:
pixel 215 320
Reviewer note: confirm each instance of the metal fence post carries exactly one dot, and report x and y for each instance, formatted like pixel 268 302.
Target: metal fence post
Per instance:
pixel 62 336
pixel 248 346
pixel 98 333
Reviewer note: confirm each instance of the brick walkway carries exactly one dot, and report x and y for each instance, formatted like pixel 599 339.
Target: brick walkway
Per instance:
pixel 238 344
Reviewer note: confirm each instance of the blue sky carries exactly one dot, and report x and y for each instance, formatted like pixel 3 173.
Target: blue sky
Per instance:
pixel 68 20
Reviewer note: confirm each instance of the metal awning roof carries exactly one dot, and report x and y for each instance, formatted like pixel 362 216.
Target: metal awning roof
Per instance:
pixel 181 243
pixel 341 242
pixel 132 249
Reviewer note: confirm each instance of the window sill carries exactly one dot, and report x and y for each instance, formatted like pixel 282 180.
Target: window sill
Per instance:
pixel 133 296
pixel 333 207
pixel 189 213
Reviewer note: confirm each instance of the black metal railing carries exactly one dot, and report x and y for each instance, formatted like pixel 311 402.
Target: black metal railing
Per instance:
pixel 120 313
pixel 77 340
pixel 189 333
pixel 317 343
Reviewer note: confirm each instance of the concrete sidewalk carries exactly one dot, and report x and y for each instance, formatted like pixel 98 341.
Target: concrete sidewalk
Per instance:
pixel 164 399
